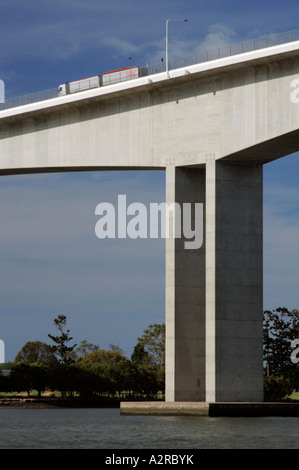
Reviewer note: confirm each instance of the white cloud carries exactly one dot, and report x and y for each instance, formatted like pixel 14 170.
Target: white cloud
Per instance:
pixel 218 36
pixel 123 47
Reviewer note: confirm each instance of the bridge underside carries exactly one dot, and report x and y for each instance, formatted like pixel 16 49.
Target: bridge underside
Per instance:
pixel 268 151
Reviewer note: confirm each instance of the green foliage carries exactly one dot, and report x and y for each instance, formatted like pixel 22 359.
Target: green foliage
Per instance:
pixel 36 352
pixel 148 382
pixel 5 385
pixel 6 366
pixel 111 366
pixel 91 371
pixel 102 358
pixel 61 349
pixel 281 326
pixel 28 377
pixel 276 388
pixel 140 355
pixel 149 359
pixel 153 341
pixel 88 370
pixel 85 348
pixel 72 378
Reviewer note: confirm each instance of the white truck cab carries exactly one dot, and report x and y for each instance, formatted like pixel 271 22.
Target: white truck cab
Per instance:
pixel 62 90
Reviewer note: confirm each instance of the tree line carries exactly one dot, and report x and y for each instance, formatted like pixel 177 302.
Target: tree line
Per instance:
pixel 88 371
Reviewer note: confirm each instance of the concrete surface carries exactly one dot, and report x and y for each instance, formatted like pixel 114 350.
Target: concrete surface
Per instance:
pixel 251 409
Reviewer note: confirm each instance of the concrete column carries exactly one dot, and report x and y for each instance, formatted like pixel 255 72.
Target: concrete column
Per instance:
pixel 170 295
pixel 210 282
pixel 234 282
pixel 214 294
pixel 185 295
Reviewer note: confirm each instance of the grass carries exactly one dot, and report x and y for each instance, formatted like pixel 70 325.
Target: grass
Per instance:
pixel 33 394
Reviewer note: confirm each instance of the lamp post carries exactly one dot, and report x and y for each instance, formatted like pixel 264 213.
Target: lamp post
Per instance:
pixel 167 21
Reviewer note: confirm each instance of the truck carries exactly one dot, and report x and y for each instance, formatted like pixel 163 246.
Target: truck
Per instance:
pixel 107 78
pixel 79 85
pixel 122 75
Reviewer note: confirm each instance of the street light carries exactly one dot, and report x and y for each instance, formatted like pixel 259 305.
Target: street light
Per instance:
pixel 167 21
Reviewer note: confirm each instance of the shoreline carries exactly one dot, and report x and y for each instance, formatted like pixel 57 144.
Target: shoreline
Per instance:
pixel 57 402
pixel 288 408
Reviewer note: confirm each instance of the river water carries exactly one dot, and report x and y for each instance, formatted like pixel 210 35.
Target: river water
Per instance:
pixel 107 429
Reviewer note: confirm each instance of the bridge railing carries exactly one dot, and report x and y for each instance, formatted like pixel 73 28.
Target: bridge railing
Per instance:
pixel 227 51
pixel 213 54
pixel 30 98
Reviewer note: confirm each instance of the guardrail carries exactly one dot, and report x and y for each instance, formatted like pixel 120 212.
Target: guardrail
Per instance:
pixel 31 98
pixel 227 51
pixel 217 53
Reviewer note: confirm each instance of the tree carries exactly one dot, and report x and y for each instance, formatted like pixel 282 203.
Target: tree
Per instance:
pixel 153 341
pixel 281 326
pixel 36 351
pixel 147 381
pixel 102 357
pixel 122 374
pixel 140 355
pixel 149 360
pixel 115 347
pixel 85 348
pixel 276 388
pixel 26 377
pixel 111 367
pixel 70 378
pixel 61 349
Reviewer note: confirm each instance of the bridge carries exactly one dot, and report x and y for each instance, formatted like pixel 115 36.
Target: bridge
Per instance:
pixel 211 126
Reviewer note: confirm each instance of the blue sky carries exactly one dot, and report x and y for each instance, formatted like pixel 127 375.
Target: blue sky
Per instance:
pixel 51 262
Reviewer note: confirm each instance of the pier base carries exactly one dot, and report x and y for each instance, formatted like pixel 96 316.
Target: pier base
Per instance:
pixel 249 409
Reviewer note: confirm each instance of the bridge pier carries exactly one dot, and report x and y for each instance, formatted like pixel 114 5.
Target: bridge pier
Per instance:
pixel 214 295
